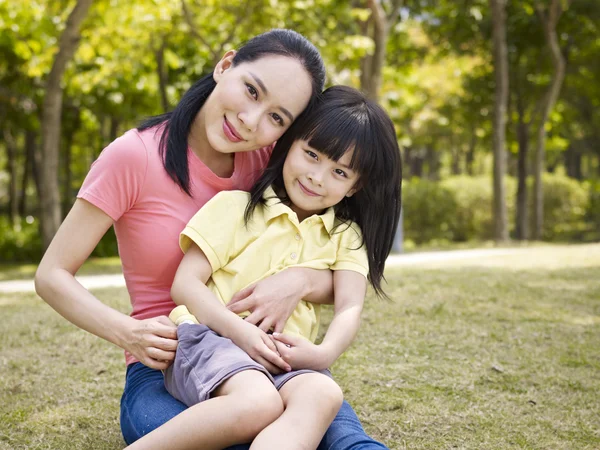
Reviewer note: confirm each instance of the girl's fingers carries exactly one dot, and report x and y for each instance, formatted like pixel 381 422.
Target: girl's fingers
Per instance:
pixel 286 339
pixel 275 359
pixel 281 349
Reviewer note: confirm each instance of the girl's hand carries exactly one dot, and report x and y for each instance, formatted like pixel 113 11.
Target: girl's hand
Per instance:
pixel 153 342
pixel 260 348
pixel 301 353
pixel 272 300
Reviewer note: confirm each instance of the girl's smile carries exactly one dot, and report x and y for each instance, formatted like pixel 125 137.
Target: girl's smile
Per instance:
pixel 307 191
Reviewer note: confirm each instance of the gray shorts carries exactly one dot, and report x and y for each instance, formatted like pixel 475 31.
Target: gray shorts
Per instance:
pixel 204 360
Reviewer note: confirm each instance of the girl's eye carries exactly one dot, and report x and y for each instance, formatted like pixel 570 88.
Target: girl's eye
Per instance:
pixel 277 118
pixel 313 155
pixel 341 173
pixel 252 91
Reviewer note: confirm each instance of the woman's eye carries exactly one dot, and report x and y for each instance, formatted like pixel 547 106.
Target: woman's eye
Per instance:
pixel 340 172
pixel 311 154
pixel 252 91
pixel 277 118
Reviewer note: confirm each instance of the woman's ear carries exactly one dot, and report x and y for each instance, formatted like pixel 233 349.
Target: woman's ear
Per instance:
pixel 224 64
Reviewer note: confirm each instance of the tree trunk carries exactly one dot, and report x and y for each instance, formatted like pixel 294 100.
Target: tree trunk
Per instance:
pixel 162 75
pixel 549 22
pixel 522 210
pixel 67 153
pixel 11 168
pixel 30 169
pixel 51 122
pixel 470 157
pixel 455 152
pixel 498 8
pixel 114 128
pixel 378 28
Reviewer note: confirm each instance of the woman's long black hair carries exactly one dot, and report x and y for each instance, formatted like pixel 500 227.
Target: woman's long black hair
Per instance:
pixel 344 119
pixel 177 123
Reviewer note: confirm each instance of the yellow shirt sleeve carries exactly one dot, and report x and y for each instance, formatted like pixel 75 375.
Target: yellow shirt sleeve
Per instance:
pixel 214 227
pixel 352 253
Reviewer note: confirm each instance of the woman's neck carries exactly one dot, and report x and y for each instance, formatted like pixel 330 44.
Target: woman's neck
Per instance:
pixel 222 164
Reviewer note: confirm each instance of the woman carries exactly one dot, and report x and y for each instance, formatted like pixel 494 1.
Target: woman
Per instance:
pixel 150 182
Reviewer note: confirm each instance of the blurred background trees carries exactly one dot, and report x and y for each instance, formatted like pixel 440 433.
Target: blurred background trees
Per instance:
pixel 429 63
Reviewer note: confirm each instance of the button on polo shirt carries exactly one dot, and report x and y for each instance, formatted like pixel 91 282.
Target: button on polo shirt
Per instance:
pixel 241 254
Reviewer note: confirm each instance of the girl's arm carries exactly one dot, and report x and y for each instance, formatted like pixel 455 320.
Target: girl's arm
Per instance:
pixel 350 288
pixel 271 301
pixel 151 341
pixel 189 289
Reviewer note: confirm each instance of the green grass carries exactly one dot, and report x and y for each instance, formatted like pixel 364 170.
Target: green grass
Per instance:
pixel 498 353
pixel 91 266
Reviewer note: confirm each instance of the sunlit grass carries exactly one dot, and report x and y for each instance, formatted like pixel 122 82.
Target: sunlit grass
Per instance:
pixel 91 266
pixel 497 353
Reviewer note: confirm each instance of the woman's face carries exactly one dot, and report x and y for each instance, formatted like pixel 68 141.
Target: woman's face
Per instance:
pixel 253 103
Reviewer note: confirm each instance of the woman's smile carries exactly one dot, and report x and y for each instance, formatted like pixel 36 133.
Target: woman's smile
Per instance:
pixel 230 132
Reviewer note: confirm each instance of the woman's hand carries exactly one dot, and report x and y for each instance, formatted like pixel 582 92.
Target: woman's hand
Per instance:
pixel 300 353
pixel 153 342
pixel 259 347
pixel 272 300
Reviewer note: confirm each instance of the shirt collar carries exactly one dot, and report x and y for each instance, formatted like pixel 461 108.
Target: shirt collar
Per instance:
pixel 275 208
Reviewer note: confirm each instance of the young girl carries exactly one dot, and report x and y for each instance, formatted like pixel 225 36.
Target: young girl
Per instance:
pixel 329 198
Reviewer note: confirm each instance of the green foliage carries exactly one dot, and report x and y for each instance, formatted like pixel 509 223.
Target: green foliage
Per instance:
pixel 593 212
pixel 565 205
pixel 473 218
pixel 21 242
pixel 460 208
pixel 428 211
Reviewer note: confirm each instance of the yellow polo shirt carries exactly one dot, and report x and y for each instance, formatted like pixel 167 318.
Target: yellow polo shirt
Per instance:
pixel 272 241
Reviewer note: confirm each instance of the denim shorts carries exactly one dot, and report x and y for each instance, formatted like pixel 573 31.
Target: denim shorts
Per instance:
pixel 204 360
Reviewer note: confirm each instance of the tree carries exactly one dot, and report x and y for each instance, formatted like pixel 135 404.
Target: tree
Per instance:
pixel 378 28
pixel 498 8
pixel 549 19
pixel 51 122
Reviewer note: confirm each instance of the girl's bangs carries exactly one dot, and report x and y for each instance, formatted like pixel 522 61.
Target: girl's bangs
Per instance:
pixel 337 131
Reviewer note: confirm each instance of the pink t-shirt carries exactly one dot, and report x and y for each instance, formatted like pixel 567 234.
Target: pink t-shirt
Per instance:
pixel 129 183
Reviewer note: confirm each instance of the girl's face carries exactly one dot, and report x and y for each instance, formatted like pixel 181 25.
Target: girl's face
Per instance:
pixel 253 103
pixel 313 182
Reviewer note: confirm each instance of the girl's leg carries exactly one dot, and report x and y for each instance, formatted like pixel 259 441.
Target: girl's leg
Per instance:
pixel 346 433
pixel 311 401
pixel 241 407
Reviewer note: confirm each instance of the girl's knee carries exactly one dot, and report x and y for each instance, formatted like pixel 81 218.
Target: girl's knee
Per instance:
pixel 329 391
pixel 258 407
pixel 320 388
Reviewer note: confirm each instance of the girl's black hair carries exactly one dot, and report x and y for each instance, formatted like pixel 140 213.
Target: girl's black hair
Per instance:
pixel 344 119
pixel 177 123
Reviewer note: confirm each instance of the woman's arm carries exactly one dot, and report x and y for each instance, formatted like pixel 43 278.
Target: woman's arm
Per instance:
pixel 350 288
pixel 272 301
pixel 151 341
pixel 189 289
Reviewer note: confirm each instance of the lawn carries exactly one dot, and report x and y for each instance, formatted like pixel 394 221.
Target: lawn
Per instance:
pixel 497 353
pixel 92 266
